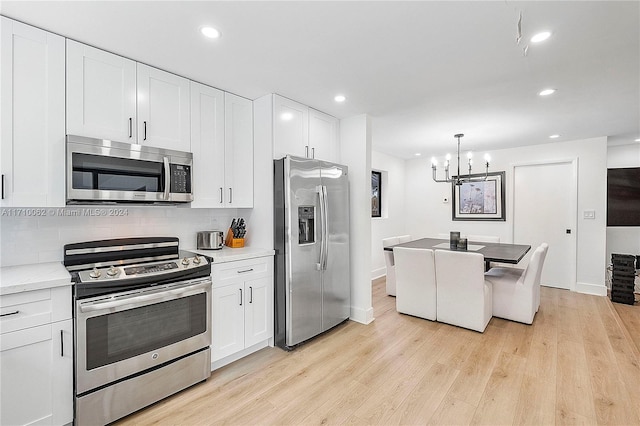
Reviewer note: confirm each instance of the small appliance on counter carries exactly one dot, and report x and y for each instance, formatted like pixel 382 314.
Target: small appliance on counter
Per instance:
pixel 210 240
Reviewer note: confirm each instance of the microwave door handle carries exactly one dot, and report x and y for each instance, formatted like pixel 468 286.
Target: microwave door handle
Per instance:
pixel 167 178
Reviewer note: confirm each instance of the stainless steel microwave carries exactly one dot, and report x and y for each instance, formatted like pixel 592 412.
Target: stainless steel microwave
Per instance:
pixel 104 171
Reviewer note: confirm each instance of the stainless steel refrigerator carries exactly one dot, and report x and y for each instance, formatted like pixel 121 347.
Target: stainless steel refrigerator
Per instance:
pixel 311 236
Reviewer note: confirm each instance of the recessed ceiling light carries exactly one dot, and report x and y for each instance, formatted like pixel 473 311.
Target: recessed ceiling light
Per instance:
pixel 340 98
pixel 286 116
pixel 637 140
pixel 210 32
pixel 554 136
pixel 418 154
pixel 540 37
pixel 547 92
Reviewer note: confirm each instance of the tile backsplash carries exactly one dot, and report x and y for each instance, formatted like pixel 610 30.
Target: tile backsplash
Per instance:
pixel 38 235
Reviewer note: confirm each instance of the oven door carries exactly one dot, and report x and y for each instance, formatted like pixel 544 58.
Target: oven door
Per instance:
pixel 130 332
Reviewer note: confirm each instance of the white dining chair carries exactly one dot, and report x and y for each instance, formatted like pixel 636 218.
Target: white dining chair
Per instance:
pixel 515 291
pixel 415 282
pixel 390 264
pixel 464 297
pixel 404 239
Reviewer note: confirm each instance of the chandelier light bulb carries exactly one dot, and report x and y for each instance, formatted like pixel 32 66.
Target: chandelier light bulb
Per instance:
pixel 487 158
pixel 434 162
pixel 447 157
pixel 469 155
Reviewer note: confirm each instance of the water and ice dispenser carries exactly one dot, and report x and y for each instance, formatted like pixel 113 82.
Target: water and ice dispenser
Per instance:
pixel 306 225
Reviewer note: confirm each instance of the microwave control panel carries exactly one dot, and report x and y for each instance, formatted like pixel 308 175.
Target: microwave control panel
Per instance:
pixel 180 178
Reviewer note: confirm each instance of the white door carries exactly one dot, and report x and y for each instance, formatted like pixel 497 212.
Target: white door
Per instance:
pixel 323 136
pixel 238 151
pixel 290 128
pixel 207 146
pixel 227 318
pixel 101 94
pixel 32 116
pixel 544 210
pixel 163 109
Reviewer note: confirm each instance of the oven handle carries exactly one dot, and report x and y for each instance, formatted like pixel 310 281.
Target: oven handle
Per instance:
pixel 159 296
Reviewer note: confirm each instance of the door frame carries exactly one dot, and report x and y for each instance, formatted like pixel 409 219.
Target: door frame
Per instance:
pixel 573 206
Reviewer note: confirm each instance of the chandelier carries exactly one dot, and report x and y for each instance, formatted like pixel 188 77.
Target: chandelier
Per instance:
pixel 459 179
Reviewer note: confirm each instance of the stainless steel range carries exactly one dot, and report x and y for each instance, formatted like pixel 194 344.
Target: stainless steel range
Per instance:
pixel 142 315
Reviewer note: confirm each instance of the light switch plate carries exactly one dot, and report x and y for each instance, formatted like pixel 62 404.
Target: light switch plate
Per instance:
pixel 589 214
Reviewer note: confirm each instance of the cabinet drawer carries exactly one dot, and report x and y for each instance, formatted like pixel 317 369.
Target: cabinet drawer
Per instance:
pixel 33 308
pixel 222 273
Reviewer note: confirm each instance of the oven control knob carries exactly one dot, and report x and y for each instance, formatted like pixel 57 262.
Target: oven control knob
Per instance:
pixel 113 271
pixel 95 273
pixel 185 261
pixel 196 260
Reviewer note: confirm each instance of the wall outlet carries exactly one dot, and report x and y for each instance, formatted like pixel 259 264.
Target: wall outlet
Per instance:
pixel 445 200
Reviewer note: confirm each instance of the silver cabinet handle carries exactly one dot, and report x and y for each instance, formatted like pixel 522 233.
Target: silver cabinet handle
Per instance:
pixel 230 195
pixel 10 313
pixel 221 191
pixel 313 153
pixel 240 297
pixel 245 270
pixel 130 127
pixel 3 186
pixel 250 294
pixel 61 343
pixel 306 151
pixel 145 131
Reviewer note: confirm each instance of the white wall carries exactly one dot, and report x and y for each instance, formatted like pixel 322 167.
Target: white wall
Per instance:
pixel 355 151
pixel 623 239
pixel 392 221
pixel 427 215
pixel 30 239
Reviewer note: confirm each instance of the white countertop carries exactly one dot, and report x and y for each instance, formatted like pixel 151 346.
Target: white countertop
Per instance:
pixel 16 279
pixel 227 254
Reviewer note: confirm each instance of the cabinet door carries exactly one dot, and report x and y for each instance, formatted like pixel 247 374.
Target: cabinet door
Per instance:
pixel 163 109
pixel 227 321
pixel 32 116
pixel 258 318
pixel 323 136
pixel 101 94
pixel 207 145
pixel 290 128
pixel 238 151
pixel 37 375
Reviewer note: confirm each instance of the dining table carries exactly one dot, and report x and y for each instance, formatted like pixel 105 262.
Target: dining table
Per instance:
pixel 492 252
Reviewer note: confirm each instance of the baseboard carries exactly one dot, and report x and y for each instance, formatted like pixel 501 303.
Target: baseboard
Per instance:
pixel 240 354
pixel 377 273
pixel 595 289
pixel 363 316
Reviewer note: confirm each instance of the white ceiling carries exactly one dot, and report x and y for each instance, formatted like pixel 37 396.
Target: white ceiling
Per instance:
pixel 423 70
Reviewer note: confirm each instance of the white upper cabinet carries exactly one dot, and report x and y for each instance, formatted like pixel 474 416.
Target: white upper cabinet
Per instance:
pixel 238 147
pixel 111 97
pixel 304 132
pixel 290 128
pixel 222 146
pixel 323 136
pixel 207 145
pixel 163 109
pixel 101 94
pixel 32 116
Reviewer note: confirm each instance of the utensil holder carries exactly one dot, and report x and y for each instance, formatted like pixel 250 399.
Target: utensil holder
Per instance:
pixel 233 242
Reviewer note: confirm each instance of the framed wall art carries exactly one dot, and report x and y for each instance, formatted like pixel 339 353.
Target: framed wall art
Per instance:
pixel 479 200
pixel 376 194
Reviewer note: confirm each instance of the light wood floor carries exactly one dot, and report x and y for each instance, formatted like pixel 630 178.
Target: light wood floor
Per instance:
pixel 576 364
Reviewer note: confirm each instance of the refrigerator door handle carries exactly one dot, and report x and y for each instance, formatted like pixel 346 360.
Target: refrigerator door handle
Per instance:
pixel 325 228
pixel 321 194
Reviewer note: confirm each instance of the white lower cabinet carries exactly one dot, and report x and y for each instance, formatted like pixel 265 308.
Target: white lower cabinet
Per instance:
pixel 36 362
pixel 242 308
